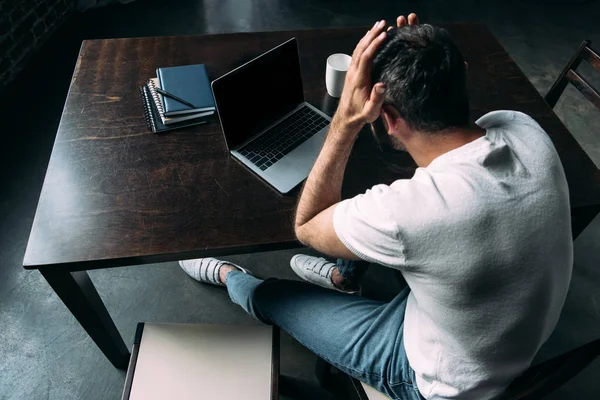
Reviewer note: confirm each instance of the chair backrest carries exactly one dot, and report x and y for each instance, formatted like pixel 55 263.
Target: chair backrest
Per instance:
pixel 569 75
pixel 548 376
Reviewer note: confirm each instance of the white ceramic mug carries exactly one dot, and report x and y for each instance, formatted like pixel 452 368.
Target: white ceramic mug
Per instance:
pixel 335 74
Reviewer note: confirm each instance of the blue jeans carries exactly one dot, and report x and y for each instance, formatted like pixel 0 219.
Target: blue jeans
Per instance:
pixel 361 337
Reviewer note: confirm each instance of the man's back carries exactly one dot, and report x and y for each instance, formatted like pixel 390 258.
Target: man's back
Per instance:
pixel 482 236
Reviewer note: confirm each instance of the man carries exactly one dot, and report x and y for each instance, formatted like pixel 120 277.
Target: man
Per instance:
pixel 481 233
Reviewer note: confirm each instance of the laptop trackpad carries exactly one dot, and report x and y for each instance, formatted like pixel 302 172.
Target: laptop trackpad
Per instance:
pixel 292 169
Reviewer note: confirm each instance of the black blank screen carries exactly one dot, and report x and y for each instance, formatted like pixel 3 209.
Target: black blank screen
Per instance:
pixel 258 94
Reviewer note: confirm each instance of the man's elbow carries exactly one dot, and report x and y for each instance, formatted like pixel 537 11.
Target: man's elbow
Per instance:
pixel 301 234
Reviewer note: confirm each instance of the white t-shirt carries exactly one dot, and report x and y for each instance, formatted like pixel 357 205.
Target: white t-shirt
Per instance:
pixel 483 238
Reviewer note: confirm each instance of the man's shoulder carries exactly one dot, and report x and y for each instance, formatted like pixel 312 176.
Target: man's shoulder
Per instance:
pixel 520 131
pixel 502 118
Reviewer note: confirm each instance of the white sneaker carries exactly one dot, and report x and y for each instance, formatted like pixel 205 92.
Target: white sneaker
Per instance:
pixel 317 270
pixel 206 270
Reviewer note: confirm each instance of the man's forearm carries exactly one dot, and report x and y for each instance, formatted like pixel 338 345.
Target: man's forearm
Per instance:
pixel 360 103
pixel 323 186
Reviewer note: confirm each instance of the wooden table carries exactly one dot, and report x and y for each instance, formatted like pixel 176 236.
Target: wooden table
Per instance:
pixel 117 195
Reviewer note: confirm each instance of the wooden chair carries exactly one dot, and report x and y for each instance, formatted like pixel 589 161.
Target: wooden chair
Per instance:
pixel 208 361
pixel 548 376
pixel 579 216
pixel 366 392
pixel 569 75
pixel 536 382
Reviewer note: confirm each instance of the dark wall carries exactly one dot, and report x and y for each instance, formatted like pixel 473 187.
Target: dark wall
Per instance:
pixel 24 27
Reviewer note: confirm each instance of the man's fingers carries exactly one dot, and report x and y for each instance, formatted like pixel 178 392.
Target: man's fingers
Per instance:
pixel 361 43
pixel 373 106
pixel 412 20
pixel 367 40
pixel 366 58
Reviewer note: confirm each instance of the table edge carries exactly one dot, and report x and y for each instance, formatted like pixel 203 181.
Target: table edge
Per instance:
pixel 86 265
pixel 340 28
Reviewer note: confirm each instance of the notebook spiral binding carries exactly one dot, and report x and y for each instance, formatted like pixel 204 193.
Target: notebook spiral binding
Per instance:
pixel 156 97
pixel 144 93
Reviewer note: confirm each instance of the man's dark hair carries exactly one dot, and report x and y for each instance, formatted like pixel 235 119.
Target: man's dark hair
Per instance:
pixel 425 77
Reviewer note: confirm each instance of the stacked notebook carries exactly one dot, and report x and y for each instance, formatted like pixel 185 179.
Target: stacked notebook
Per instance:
pixel 184 84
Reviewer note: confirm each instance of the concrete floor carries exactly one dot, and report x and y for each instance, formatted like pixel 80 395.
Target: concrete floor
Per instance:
pixel 45 354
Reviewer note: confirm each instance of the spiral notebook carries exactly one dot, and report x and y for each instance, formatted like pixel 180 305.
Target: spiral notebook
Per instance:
pixel 158 100
pixel 152 115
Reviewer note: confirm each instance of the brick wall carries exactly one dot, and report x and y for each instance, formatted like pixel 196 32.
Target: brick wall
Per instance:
pixel 24 27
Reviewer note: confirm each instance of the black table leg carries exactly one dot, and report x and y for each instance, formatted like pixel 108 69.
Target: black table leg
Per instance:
pixel 78 293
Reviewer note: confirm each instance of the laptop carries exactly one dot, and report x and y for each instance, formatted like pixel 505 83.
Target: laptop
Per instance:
pixel 267 124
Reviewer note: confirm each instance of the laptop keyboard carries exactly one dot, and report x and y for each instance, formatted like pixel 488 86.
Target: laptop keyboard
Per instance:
pixel 284 137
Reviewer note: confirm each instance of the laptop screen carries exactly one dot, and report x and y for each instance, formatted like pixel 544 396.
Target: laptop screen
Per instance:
pixel 258 93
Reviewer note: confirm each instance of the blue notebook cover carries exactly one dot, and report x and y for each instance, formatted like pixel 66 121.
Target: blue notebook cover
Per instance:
pixel 189 82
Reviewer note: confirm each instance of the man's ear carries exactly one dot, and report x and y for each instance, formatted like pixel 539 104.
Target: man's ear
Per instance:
pixel 466 65
pixel 389 116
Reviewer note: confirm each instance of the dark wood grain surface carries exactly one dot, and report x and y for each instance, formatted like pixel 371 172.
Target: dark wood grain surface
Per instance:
pixel 116 194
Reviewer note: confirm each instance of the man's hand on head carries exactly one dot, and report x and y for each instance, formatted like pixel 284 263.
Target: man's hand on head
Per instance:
pixel 361 102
